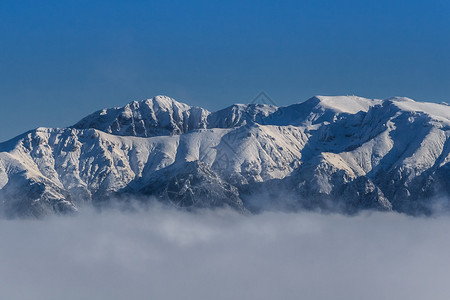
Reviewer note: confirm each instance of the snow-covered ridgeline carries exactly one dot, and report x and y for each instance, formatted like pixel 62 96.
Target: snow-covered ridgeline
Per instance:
pixel 343 153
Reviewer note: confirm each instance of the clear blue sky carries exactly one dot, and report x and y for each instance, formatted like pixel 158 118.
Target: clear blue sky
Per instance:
pixel 61 60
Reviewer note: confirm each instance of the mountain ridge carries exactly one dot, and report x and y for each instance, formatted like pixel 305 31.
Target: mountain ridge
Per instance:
pixel 342 153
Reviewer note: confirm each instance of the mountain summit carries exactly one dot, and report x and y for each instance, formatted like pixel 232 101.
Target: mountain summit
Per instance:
pixel 342 154
pixel 160 115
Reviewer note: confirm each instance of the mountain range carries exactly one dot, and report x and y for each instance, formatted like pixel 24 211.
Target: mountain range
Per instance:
pixel 339 154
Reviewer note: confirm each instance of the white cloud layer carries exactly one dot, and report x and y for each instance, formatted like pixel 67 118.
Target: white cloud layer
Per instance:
pixel 166 254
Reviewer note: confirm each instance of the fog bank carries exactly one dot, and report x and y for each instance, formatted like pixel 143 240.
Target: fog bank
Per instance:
pixel 168 254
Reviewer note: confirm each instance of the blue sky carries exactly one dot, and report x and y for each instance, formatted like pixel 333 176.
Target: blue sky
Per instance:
pixel 61 60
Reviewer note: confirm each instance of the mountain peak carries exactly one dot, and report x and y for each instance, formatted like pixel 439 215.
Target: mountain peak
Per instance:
pixel 346 104
pixel 160 115
pixel 400 99
pixel 435 110
pixel 166 102
pixel 334 152
pixel 163 115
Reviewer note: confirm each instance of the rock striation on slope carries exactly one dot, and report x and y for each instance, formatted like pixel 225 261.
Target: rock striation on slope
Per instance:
pixel 342 154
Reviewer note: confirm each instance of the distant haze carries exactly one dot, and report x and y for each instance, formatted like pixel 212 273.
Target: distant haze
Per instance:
pixel 165 254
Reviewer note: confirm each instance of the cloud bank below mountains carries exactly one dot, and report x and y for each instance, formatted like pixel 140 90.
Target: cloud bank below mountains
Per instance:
pixel 166 254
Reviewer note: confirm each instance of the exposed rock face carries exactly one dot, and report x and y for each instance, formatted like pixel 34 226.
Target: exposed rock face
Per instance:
pixel 340 154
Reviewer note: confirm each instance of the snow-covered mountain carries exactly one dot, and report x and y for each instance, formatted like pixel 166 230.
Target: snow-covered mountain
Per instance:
pixel 341 154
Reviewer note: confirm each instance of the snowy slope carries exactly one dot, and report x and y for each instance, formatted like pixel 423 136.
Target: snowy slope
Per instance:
pixel 342 153
pixel 160 115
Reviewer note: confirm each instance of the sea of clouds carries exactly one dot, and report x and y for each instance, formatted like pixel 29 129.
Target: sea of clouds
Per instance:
pixel 161 253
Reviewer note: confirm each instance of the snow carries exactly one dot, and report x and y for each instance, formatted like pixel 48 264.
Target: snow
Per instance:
pixel 347 104
pixel 160 115
pixel 439 111
pixel 329 141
